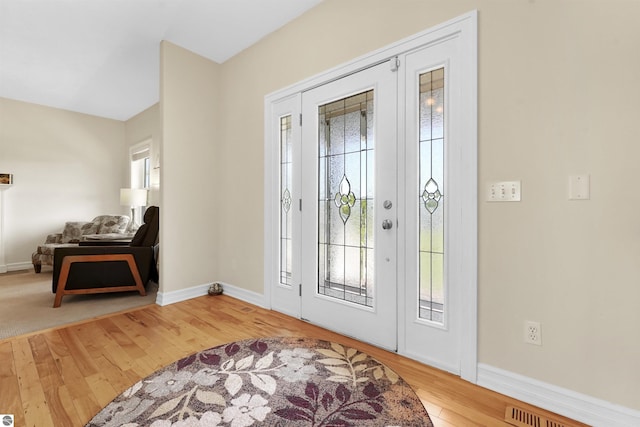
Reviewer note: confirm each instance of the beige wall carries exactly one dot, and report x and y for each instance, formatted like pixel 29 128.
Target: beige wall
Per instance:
pixel 143 126
pixel 558 96
pixel 554 103
pixel 67 167
pixel 189 192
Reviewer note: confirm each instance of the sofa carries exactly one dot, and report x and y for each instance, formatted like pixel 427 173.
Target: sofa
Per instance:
pixel 103 227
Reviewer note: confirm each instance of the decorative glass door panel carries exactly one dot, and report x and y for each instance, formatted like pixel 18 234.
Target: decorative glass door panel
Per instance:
pixel 431 204
pixel 440 206
pixel 286 216
pixel 345 203
pixel 349 261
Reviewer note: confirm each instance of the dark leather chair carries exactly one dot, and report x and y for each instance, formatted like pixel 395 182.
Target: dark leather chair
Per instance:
pixel 101 268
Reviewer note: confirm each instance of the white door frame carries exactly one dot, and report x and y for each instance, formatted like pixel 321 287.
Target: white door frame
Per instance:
pixel 465 28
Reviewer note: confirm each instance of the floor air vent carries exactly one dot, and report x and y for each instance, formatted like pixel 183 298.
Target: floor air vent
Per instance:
pixel 522 418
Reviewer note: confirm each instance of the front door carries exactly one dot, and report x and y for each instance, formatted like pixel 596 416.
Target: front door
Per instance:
pixel 349 215
pixel 377 237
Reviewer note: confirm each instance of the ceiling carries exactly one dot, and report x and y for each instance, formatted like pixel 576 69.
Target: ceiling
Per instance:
pixel 102 57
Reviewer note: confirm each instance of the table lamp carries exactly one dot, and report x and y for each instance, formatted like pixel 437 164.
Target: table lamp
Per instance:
pixel 133 197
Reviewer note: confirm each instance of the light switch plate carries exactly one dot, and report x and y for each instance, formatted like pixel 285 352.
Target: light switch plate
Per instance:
pixel 507 191
pixel 579 187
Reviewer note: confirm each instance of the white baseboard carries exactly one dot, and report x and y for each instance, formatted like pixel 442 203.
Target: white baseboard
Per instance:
pixel 577 406
pixel 166 298
pixel 15 266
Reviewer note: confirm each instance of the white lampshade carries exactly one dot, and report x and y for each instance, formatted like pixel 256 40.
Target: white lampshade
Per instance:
pixel 133 197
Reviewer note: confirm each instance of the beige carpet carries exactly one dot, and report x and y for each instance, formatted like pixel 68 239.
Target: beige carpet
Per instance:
pixel 26 303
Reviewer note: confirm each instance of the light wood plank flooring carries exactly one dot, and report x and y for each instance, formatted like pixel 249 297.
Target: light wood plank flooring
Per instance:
pixel 63 377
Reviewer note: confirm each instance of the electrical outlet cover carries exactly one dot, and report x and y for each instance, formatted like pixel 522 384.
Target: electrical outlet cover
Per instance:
pixel 532 333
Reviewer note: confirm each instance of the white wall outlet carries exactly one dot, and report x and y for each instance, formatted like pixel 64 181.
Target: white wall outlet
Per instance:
pixel 507 191
pixel 532 333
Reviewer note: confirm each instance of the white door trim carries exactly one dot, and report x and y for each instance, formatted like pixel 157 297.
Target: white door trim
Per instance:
pixel 465 27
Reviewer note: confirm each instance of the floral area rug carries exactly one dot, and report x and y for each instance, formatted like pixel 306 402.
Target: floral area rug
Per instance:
pixel 269 382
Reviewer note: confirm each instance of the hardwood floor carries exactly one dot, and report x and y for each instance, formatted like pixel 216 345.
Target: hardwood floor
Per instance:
pixel 63 377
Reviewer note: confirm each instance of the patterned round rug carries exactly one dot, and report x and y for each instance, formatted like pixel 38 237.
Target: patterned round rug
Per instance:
pixel 269 382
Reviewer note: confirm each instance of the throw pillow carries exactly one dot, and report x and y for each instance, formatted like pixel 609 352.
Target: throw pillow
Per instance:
pixel 111 224
pixel 73 230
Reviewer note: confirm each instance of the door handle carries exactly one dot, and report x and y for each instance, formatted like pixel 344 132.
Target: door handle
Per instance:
pixel 387 224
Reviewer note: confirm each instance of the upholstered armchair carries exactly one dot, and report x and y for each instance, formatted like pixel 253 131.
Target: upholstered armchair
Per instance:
pixel 92 267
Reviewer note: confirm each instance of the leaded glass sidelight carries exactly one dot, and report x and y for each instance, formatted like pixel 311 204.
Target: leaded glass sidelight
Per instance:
pixel 345 199
pixel 285 201
pixel 431 196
